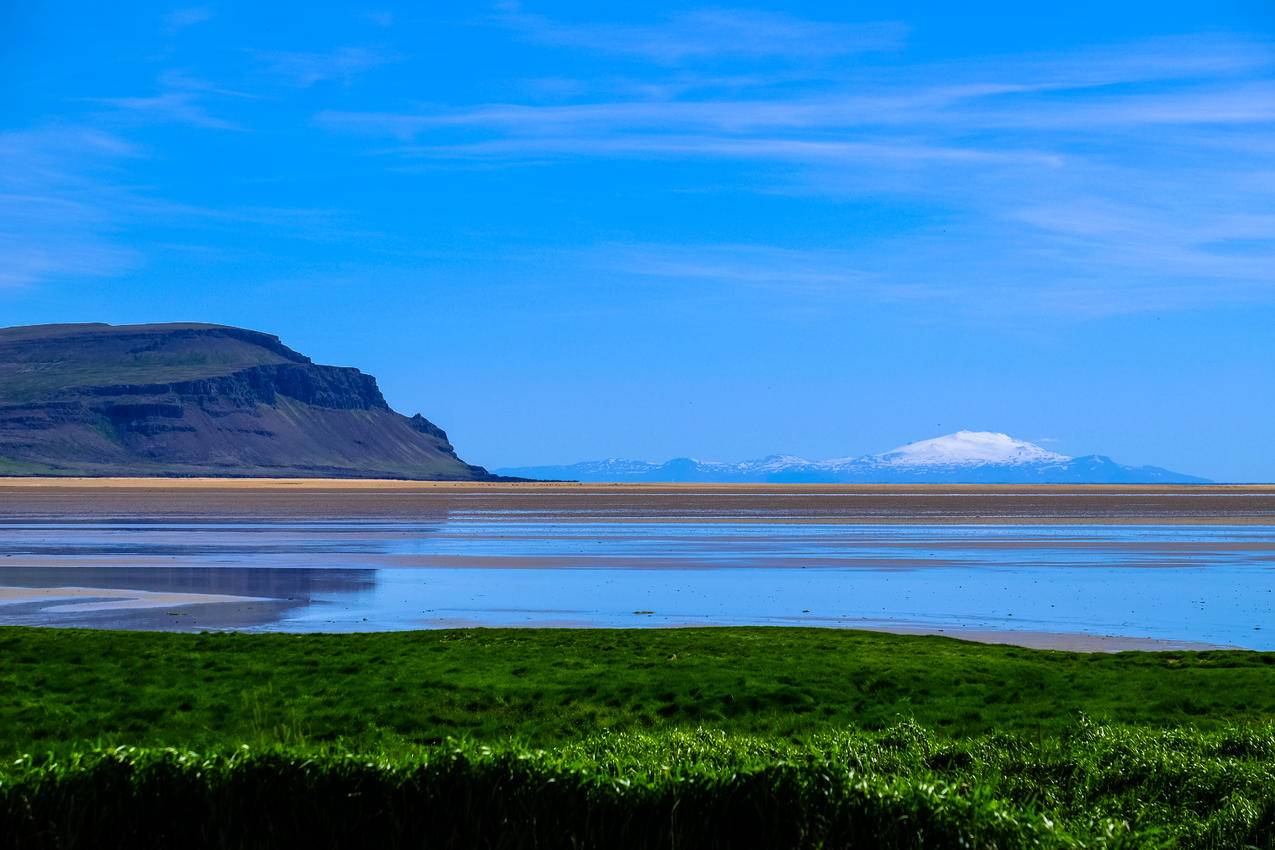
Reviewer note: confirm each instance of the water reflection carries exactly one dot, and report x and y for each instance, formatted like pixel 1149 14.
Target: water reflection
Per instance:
pixel 273 593
pixel 1207 584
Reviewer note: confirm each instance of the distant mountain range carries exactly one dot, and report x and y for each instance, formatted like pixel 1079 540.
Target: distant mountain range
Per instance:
pixel 966 457
pixel 194 400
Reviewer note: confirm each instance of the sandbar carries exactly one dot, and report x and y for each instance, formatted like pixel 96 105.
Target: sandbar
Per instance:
pixel 111 599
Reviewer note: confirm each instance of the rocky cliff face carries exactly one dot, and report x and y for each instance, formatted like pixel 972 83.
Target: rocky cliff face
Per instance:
pixel 200 400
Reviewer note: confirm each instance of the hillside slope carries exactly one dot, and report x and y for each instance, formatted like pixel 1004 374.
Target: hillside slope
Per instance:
pixel 194 399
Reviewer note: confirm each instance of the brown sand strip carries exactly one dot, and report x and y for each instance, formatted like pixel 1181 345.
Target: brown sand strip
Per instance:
pixel 268 500
pixel 1056 640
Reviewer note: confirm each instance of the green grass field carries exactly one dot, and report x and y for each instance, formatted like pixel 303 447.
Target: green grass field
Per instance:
pixel 547 686
pixel 643 738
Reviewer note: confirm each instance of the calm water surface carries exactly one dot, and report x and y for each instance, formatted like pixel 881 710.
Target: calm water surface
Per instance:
pixel 1199 584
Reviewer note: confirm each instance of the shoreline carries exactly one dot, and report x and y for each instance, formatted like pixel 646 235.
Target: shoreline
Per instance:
pixel 142 482
pixel 93 599
pixel 264 500
pixel 1073 642
pixel 98 600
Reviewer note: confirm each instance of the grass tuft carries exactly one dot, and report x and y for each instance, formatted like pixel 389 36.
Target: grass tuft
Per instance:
pixel 1093 786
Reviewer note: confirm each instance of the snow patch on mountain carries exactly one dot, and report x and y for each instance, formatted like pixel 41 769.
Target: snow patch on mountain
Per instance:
pixel 966 448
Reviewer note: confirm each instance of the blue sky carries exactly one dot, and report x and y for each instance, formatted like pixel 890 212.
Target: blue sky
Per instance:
pixel 568 231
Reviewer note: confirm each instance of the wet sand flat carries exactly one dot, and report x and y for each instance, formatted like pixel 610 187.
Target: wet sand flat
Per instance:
pixel 1084 568
pixel 279 499
pixel 109 599
pixel 1061 641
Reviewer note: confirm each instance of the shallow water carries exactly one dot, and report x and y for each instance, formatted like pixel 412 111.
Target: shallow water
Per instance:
pixel 1211 585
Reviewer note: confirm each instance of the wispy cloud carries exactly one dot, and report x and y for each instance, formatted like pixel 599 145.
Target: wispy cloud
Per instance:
pixel 26 263
pixel 822 283
pixel 343 64
pixel 1144 166
pixel 174 107
pixel 900 153
pixel 72 206
pixel 55 199
pixel 378 17
pixel 1213 103
pixel 709 34
pixel 180 19
pixel 182 98
pixel 945 108
pixel 179 79
pixel 791 272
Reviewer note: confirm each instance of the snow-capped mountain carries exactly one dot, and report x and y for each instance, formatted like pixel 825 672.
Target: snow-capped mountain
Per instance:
pixel 966 448
pixel 972 457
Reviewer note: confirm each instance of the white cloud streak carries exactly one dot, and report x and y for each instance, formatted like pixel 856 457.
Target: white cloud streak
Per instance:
pixel 710 34
pixel 172 107
pixel 71 207
pixel 54 205
pixel 343 64
pixel 180 19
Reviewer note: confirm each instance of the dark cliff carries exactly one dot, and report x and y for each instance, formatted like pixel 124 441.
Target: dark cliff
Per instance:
pixel 189 400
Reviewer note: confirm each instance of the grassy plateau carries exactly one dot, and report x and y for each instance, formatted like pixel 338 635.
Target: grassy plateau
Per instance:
pixel 642 738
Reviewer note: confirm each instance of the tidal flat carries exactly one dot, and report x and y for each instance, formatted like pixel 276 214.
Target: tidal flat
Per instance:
pixel 1085 567
pixel 342 556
